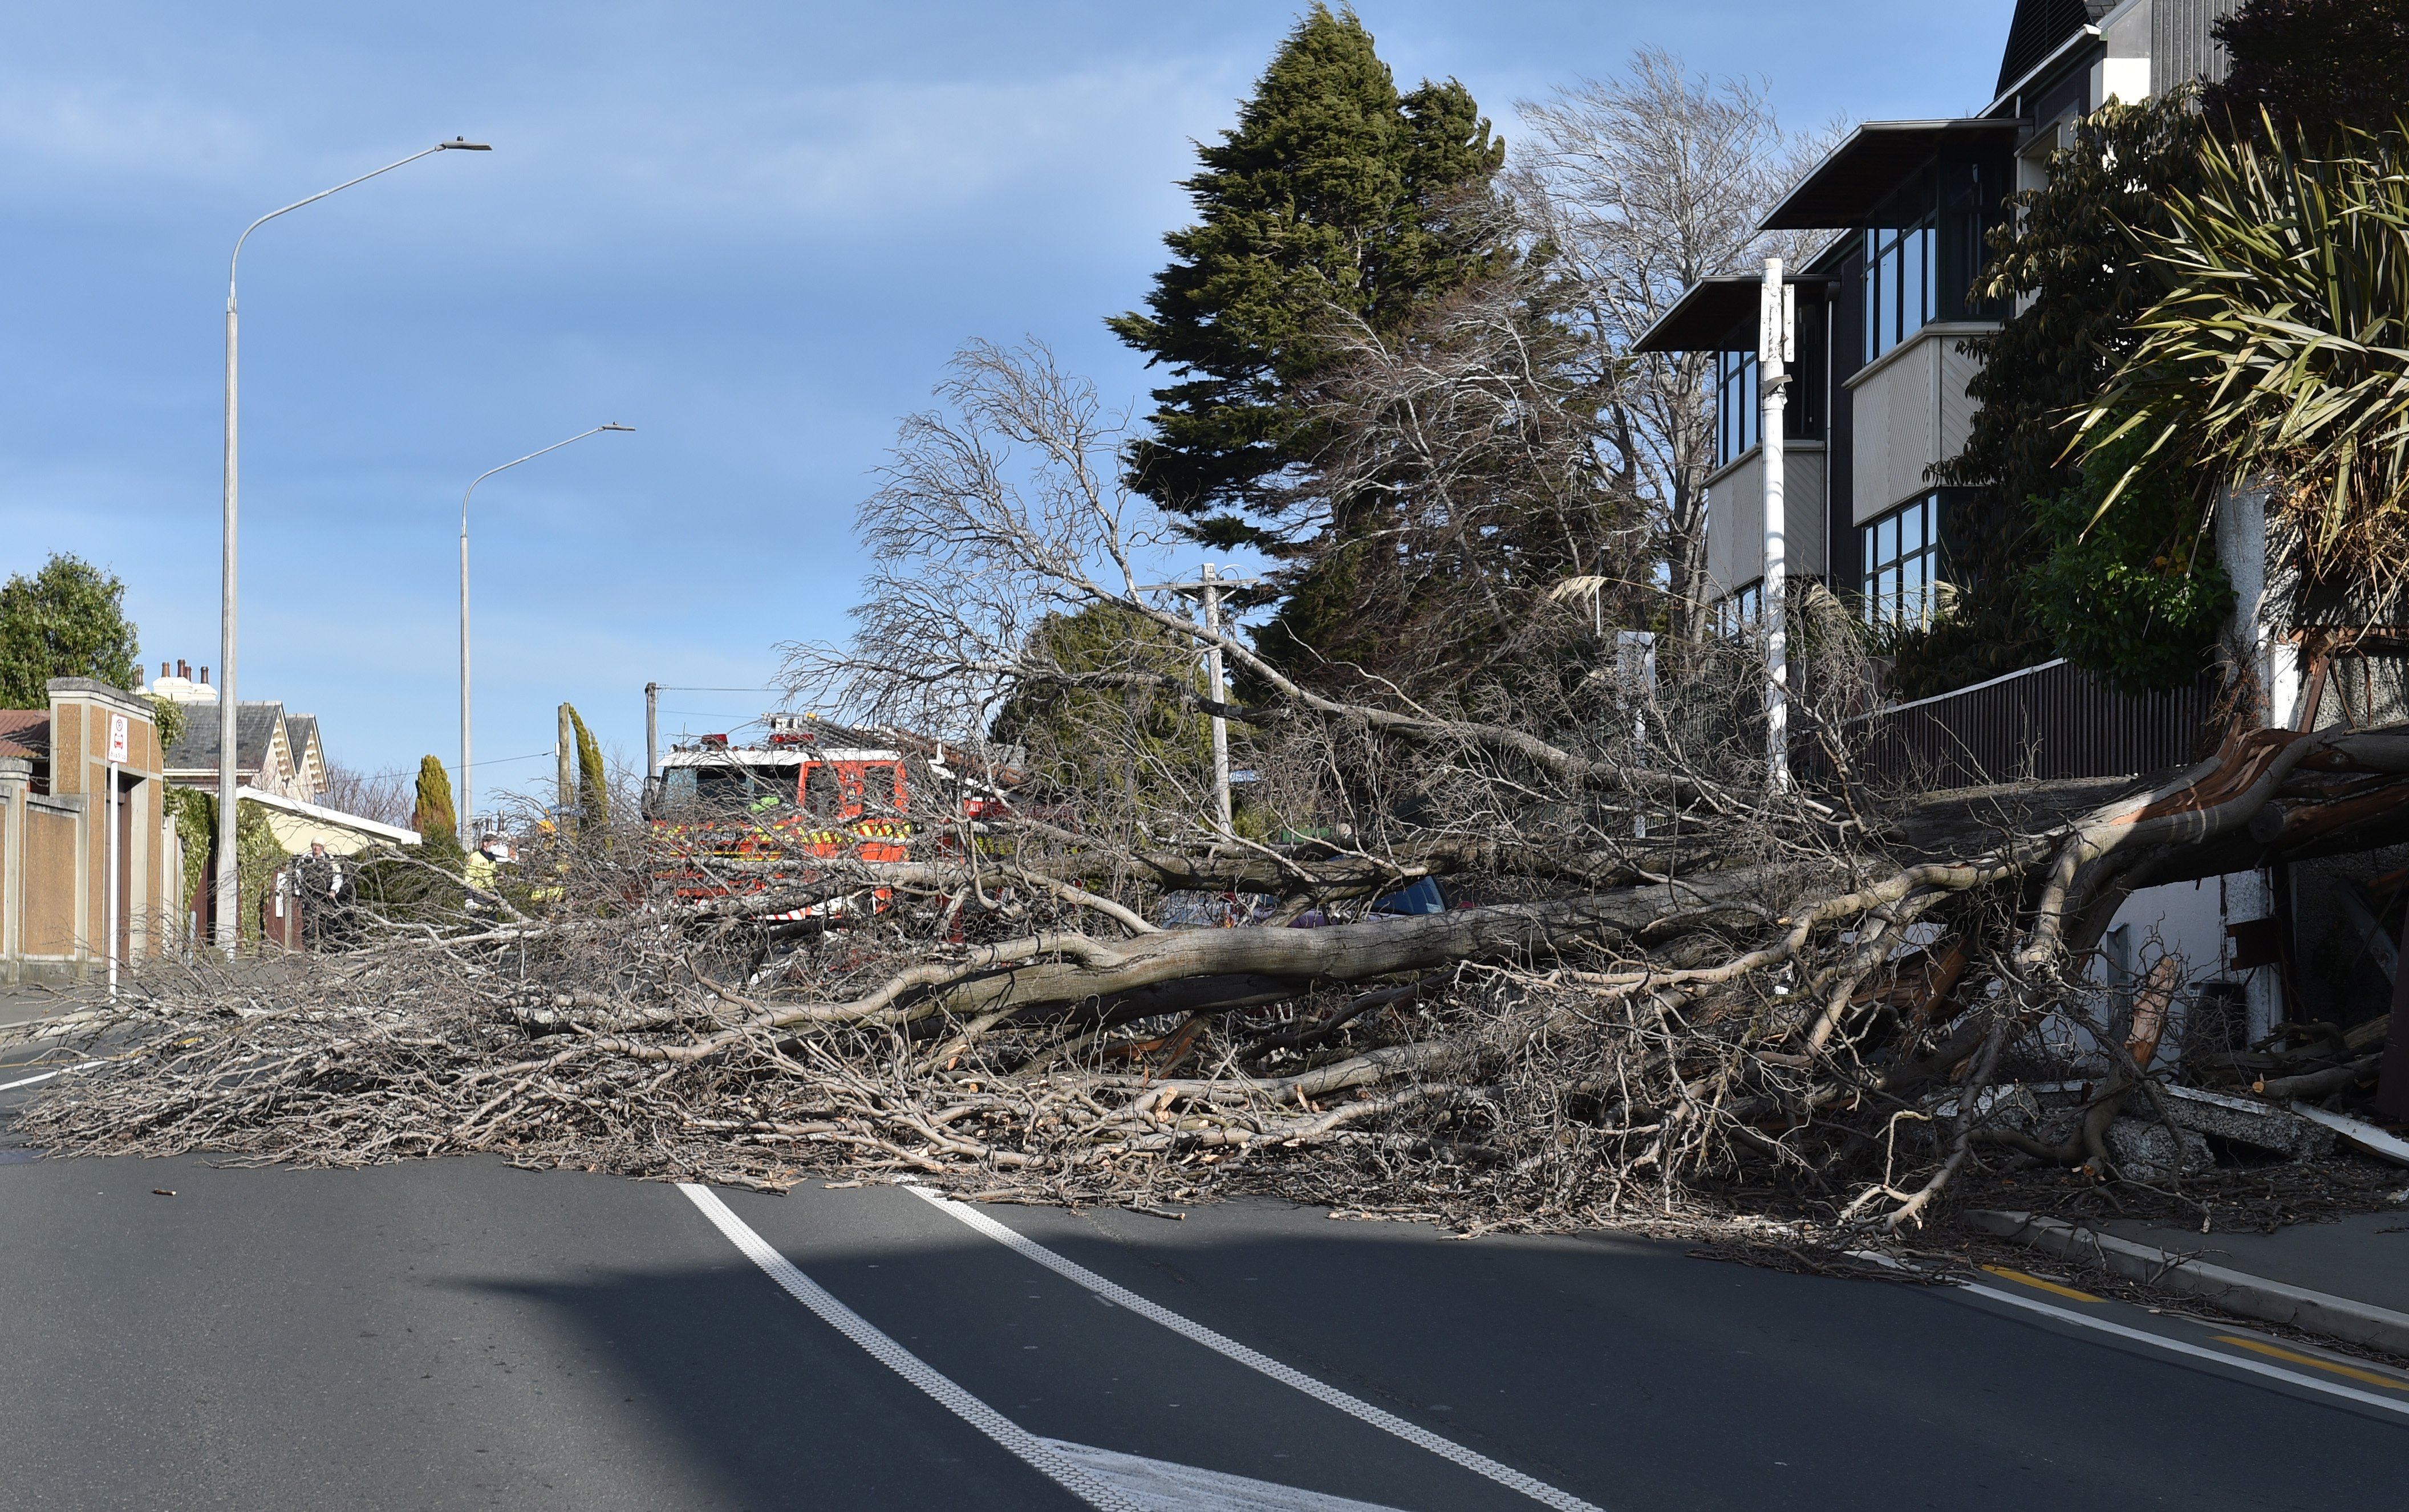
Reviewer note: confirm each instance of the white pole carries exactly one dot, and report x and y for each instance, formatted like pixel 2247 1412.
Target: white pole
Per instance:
pixel 653 734
pixel 1220 694
pixel 227 903
pixel 1773 341
pixel 1636 650
pixel 468 802
pixel 112 884
pixel 228 927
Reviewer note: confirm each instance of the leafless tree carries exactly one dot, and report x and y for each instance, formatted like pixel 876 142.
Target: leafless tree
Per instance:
pixel 383 797
pixel 1661 983
pixel 1643 185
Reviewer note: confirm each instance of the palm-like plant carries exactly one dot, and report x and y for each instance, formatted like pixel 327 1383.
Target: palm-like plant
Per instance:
pixel 2279 353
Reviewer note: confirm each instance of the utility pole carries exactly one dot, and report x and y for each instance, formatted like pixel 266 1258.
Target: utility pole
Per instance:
pixel 652 732
pixel 565 767
pixel 1634 654
pixel 1775 341
pixel 1209 587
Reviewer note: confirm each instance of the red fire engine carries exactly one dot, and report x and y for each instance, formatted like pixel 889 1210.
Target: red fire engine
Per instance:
pixel 809 790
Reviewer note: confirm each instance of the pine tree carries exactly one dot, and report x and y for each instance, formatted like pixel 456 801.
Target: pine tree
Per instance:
pixel 68 620
pixel 1334 198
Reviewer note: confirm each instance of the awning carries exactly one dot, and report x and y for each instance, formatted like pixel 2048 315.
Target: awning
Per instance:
pixel 1705 317
pixel 1876 159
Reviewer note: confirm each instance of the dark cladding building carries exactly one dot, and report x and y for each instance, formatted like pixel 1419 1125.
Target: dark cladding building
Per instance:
pixel 1878 392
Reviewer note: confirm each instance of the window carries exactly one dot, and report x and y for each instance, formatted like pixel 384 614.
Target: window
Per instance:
pixel 1902 556
pixel 1898 278
pixel 1739 414
pixel 1736 612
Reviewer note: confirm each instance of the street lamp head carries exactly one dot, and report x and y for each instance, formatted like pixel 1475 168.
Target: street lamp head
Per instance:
pixel 614 426
pixel 462 144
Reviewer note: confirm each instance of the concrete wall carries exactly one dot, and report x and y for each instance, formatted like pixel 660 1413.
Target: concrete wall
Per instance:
pixel 1736 517
pixel 1910 411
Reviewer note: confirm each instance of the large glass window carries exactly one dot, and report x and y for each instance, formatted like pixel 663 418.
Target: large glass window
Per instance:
pixel 1739 414
pixel 1901 552
pixel 1899 279
pixel 1736 612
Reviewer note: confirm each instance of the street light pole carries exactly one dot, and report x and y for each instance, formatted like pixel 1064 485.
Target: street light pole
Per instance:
pixel 230 930
pixel 468 807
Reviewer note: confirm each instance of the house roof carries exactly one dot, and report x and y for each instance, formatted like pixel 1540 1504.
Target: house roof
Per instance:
pixel 256 728
pixel 2038 28
pixel 1711 310
pixel 25 733
pixel 300 730
pixel 1878 157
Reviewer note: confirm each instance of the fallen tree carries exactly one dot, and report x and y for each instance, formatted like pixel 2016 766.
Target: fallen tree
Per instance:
pixel 1662 986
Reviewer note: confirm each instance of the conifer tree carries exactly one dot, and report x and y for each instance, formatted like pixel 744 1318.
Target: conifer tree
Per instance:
pixel 593 782
pixel 432 815
pixel 1335 198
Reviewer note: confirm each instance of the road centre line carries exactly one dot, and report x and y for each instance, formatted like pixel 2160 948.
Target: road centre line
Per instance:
pixel 1037 1453
pixel 2159 1341
pixel 1538 1490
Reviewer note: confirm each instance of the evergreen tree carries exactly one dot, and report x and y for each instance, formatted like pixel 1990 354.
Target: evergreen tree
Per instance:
pixel 432 815
pixel 1335 200
pixel 593 782
pixel 1129 747
pixel 2315 64
pixel 68 620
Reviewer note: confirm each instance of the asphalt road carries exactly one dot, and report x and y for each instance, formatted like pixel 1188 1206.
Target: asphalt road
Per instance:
pixel 456 1333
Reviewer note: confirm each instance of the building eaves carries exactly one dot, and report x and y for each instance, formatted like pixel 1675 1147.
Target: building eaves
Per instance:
pixel 1858 175
pixel 1712 309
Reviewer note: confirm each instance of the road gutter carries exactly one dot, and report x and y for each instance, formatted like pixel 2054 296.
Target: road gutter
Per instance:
pixel 2236 1291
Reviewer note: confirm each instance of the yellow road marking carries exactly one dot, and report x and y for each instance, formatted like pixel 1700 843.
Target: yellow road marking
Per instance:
pixel 2392 1382
pixel 2045 1286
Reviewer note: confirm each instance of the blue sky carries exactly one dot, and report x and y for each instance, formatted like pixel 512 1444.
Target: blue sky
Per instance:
pixel 754 232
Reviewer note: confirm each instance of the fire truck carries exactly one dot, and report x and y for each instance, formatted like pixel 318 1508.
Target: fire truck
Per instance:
pixel 808 791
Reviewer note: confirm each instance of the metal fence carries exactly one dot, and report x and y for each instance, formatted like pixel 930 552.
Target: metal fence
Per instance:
pixel 2044 722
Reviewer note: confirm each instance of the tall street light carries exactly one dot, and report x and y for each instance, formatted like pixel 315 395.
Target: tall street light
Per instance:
pixel 467 808
pixel 229 708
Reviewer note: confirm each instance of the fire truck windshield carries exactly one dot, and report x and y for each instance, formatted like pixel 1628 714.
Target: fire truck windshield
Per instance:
pixel 732 788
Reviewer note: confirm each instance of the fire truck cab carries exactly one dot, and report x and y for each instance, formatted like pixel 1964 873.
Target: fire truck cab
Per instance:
pixel 802 790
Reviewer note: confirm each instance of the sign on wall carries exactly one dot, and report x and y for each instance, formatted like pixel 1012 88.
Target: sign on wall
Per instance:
pixel 117 738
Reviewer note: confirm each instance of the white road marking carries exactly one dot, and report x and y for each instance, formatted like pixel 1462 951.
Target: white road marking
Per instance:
pixel 1166 1487
pixel 1101 1478
pixel 1038 1453
pixel 2159 1341
pixel 1538 1490
pixel 28 1081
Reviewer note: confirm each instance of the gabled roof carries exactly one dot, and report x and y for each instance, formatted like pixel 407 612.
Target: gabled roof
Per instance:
pixel 1876 158
pixel 26 734
pixel 255 730
pixel 2039 29
pixel 1711 310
